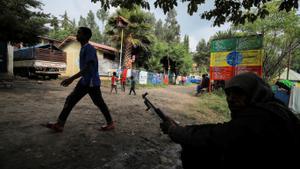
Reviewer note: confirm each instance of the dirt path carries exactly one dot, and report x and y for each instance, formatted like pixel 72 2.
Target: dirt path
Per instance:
pixel 136 143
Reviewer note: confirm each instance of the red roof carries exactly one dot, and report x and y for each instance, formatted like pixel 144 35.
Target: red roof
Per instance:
pixel 98 46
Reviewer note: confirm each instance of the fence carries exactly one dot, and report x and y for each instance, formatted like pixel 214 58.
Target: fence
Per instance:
pixel 144 77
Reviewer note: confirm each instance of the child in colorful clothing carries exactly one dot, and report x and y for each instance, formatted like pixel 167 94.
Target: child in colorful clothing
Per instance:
pixel 114 80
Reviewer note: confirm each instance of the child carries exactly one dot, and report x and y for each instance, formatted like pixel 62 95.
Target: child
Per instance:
pixel 114 80
pixel 132 85
pixel 123 82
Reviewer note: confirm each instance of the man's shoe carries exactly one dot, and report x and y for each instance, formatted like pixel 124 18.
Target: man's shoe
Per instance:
pixel 108 127
pixel 55 126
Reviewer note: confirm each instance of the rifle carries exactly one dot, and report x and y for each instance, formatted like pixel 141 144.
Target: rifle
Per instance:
pixel 149 105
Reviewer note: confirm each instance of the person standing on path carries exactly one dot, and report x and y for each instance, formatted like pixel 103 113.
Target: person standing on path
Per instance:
pixel 132 85
pixel 89 83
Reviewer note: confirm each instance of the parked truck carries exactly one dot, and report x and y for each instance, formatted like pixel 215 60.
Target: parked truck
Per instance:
pixel 40 60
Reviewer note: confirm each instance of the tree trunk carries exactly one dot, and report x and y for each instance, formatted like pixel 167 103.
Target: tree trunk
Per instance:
pixel 128 50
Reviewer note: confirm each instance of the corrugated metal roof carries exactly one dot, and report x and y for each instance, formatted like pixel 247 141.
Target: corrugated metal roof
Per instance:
pixel 38 46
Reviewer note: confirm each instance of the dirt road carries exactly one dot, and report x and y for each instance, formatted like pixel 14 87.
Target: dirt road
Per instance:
pixel 136 143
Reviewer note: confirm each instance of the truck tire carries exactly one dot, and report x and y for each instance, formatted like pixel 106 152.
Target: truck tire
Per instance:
pixel 53 76
pixel 29 74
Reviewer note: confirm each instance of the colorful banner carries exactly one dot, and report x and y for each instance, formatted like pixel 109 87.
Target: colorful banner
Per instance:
pixel 226 72
pixel 221 73
pixel 243 58
pixel 255 69
pixel 233 56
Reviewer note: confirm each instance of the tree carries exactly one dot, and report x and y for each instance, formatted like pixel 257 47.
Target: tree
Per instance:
pixel 224 11
pixel 186 42
pixel 158 49
pixel 180 59
pixel 66 22
pixel 138 33
pixel 224 34
pixel 169 33
pixel 174 56
pixel 171 27
pixel 90 20
pixel 102 15
pixel 62 28
pixel 82 22
pixel 91 23
pixel 158 30
pixel 19 22
pixel 296 60
pixel 202 55
pixel 168 49
pixel 281 31
pixel 54 23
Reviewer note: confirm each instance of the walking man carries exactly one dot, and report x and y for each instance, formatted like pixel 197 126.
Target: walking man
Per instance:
pixel 89 83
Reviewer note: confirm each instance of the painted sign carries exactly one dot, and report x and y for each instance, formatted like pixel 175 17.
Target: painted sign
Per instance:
pixel 233 56
pixel 143 77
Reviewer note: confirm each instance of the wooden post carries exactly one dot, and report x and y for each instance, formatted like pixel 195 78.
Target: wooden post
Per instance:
pixel 288 66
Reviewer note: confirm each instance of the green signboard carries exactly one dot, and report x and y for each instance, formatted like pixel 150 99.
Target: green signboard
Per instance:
pixel 238 44
pixel 223 45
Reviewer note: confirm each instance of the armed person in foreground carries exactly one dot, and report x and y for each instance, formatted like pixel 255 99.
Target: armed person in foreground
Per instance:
pixel 262 132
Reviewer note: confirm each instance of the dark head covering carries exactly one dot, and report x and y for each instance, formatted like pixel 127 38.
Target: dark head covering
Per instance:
pixel 260 95
pixel 256 89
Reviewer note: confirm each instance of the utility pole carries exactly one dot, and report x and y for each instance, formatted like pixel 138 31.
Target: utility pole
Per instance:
pixel 121 23
pixel 121 50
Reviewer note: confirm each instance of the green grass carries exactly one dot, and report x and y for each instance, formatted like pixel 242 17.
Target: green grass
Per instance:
pixel 214 102
pixel 159 85
pixel 149 86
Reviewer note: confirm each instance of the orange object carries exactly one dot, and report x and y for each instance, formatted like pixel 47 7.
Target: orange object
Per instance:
pixel 166 79
pixel 124 75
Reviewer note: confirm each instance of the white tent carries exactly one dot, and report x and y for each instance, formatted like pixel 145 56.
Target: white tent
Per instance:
pixel 294 102
pixel 293 76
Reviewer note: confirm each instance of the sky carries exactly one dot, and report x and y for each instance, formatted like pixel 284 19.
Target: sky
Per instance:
pixel 193 26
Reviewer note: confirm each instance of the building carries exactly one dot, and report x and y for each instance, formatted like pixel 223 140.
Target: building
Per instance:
pixel 106 56
pixel 46 40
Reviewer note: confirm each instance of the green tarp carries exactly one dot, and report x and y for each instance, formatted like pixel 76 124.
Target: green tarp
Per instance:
pixel 286 83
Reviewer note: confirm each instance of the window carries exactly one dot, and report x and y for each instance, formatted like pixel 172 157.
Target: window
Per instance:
pixel 109 56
